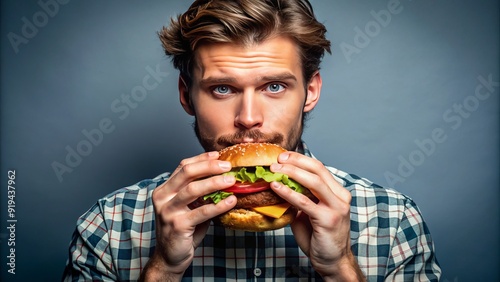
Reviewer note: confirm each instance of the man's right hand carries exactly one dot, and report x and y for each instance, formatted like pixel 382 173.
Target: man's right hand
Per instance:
pixel 180 229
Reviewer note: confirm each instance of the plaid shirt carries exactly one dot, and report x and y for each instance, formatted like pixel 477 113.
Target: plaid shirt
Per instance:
pixel 115 238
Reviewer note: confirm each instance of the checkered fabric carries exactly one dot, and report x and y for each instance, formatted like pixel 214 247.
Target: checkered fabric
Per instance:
pixel 115 238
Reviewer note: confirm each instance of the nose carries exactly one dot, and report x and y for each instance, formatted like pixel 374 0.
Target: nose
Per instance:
pixel 249 112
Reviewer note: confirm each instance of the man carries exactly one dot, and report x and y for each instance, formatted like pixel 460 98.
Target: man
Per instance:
pixel 249 72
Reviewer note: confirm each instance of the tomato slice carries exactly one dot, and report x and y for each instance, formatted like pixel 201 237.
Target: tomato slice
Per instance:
pixel 247 187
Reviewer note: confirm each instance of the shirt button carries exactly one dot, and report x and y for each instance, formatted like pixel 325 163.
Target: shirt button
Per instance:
pixel 257 272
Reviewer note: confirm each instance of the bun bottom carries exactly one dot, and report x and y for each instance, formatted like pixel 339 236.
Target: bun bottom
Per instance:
pixel 248 220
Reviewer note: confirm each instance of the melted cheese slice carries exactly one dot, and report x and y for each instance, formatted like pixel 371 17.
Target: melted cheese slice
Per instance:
pixel 275 211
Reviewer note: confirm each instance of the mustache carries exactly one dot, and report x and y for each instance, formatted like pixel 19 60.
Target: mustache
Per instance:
pixel 255 134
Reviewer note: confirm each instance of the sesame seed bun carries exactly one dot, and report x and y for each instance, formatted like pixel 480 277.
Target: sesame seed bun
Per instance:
pixel 251 154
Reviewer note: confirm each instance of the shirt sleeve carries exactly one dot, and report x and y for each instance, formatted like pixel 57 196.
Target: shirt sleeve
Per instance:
pixel 89 252
pixel 412 255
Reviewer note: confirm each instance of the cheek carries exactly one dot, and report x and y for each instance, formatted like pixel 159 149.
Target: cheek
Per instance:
pixel 213 120
pixel 285 115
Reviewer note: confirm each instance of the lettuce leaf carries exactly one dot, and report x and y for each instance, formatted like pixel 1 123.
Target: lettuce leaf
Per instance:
pixel 217 196
pixel 245 175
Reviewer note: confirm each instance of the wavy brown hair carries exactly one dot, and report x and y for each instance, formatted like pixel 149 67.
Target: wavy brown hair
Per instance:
pixel 244 22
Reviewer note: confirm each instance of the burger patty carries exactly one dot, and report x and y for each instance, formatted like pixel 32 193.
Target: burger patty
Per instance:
pixel 259 199
pixel 264 198
pixel 251 200
pixel 246 201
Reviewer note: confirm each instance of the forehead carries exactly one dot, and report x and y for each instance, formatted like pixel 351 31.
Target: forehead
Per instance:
pixel 277 54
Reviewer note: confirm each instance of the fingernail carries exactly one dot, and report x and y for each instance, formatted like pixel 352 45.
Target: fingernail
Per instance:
pixel 275 185
pixel 228 179
pixel 213 154
pixel 229 200
pixel 276 167
pixel 284 156
pixel 225 165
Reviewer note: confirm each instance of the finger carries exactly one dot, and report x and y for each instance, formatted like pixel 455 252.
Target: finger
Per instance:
pixel 314 167
pixel 213 155
pixel 190 219
pixel 191 171
pixel 295 199
pixel 311 181
pixel 194 171
pixel 199 232
pixel 200 188
pixel 171 180
pixel 317 212
pixel 302 229
pixel 209 211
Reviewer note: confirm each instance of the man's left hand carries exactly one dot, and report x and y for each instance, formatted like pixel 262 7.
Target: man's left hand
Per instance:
pixel 322 228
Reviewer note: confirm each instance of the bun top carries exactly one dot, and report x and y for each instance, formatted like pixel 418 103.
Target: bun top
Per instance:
pixel 251 154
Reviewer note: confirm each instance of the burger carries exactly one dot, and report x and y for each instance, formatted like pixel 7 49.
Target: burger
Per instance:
pixel 258 208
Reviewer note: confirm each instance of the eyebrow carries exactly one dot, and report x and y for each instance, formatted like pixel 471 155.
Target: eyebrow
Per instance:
pixel 217 80
pixel 229 80
pixel 280 76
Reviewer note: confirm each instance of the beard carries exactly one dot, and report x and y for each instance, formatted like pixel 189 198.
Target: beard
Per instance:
pixel 290 141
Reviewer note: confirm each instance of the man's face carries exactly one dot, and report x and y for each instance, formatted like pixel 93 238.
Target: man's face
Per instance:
pixel 249 94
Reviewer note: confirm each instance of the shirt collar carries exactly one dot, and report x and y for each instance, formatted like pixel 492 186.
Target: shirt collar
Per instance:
pixel 303 149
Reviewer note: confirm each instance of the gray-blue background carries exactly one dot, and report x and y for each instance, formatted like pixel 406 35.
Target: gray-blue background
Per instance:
pixel 401 82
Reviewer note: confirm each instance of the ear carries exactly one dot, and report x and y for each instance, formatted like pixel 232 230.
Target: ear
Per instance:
pixel 184 97
pixel 313 92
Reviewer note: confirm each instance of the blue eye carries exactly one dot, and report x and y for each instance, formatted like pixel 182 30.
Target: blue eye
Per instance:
pixel 222 90
pixel 275 88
